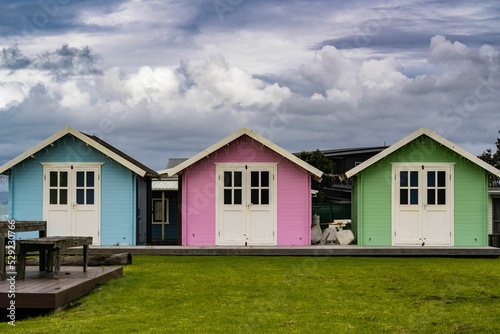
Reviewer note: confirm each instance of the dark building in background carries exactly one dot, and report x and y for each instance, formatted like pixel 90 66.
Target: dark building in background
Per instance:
pixel 345 159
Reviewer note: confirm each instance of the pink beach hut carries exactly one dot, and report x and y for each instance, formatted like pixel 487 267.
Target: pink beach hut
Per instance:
pixel 244 191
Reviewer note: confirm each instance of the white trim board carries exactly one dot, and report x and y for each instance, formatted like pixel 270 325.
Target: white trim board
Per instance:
pixel 415 135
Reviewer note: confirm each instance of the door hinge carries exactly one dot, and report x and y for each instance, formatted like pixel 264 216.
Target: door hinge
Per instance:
pixel 219 177
pixel 98 177
pixel 45 177
pixel 394 233
pixel 219 233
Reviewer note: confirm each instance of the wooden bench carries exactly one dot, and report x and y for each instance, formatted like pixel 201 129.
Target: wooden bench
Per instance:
pixel 51 248
pixel 19 226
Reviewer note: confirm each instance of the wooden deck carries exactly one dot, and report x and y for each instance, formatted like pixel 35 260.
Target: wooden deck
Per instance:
pixel 325 250
pixel 40 290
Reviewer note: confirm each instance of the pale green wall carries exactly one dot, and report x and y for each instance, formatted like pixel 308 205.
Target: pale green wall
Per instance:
pixel 373 192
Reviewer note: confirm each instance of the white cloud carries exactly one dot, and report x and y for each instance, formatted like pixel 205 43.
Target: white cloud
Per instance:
pixel 73 97
pixel 384 74
pixel 442 49
pixel 11 93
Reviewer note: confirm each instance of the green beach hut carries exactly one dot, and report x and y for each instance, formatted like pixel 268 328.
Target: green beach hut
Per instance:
pixel 421 191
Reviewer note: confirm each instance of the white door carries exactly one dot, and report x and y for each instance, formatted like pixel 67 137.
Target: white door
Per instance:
pixel 246 205
pixel 72 201
pixel 423 205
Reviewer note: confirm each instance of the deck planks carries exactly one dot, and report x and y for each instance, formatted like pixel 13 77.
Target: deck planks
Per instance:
pixel 322 250
pixel 39 290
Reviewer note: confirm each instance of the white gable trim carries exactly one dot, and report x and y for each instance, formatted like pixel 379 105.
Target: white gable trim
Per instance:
pixel 413 136
pixel 82 137
pixel 317 174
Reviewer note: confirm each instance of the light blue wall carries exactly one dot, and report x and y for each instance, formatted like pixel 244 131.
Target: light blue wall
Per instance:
pixel 118 189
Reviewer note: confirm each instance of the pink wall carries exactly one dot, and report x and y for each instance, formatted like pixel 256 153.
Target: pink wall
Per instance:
pixel 199 204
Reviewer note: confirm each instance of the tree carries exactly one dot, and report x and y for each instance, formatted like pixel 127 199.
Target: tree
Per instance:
pixel 494 160
pixel 318 160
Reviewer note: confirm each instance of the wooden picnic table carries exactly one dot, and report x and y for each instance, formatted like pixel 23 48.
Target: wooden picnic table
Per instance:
pixel 51 248
pixel 20 226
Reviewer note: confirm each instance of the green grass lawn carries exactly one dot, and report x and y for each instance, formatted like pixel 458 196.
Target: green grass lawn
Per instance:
pixel 164 294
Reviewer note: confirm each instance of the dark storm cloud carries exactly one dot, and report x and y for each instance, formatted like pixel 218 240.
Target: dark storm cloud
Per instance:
pixel 29 18
pixel 64 62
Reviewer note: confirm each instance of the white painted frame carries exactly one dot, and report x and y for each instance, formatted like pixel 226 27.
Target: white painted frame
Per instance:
pixel 219 186
pixel 47 166
pixel 450 193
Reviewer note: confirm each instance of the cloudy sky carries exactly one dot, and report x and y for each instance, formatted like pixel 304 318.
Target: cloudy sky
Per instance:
pixel 167 78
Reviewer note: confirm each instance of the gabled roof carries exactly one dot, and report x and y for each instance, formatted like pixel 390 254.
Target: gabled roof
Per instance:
pixel 415 135
pixel 316 173
pixel 93 141
pixel 351 151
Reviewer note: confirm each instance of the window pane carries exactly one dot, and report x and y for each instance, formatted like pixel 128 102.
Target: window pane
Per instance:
pixel 496 209
pixel 63 196
pixel 53 196
pixel 264 196
pixel 441 179
pixel 228 179
pixel 403 196
pixel 227 196
pixel 237 196
pixel 237 179
pixel 496 227
pixel 431 179
pixel 228 199
pixel 80 196
pixel 255 179
pixel 53 179
pixel 441 196
pixel 166 218
pixel 157 211
pixel 264 179
pixel 80 179
pixel 403 179
pixel 413 196
pixel 90 196
pixel 255 196
pixel 413 179
pixel 431 196
pixel 63 182
pixel 90 179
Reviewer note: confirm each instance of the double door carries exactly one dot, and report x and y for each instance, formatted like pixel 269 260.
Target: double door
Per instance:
pixel 246 204
pixel 422 205
pixel 72 200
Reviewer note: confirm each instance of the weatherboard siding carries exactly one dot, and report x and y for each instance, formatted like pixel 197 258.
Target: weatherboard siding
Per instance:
pixel 118 202
pixel 375 206
pixel 199 194
pixel 374 195
pixel 471 196
pixel 294 205
pixel 117 189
